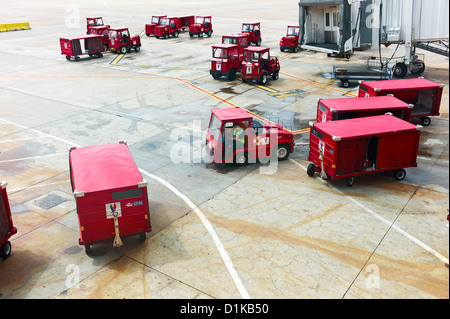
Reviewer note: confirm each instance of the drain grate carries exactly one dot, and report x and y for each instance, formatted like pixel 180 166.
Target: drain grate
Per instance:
pixel 50 201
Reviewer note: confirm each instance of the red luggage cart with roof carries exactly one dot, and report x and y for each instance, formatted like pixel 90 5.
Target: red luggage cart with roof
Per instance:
pixel 7 228
pixel 423 94
pixel 366 145
pixel 347 108
pixel 110 194
pixel 88 44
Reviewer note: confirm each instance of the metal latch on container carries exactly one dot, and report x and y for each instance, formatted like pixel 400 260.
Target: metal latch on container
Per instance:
pixel 78 194
pixel 142 184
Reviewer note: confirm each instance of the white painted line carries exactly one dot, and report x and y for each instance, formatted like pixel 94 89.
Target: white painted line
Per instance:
pixel 21 139
pixel 208 226
pixel 401 231
pixel 39 185
pixel 30 158
pixel 206 223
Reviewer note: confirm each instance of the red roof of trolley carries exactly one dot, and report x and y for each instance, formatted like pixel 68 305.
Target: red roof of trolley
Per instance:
pixel 232 113
pixel 364 126
pixel 364 103
pixel 96 168
pixel 392 85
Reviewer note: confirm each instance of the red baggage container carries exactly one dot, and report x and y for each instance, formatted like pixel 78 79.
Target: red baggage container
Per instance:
pixel 110 194
pixel 347 148
pixel 348 108
pixel 7 228
pixel 423 94
pixel 91 44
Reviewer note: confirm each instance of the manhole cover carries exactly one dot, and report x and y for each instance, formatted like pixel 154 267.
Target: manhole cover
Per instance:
pixel 50 201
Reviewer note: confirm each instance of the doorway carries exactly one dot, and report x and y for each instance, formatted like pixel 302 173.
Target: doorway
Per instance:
pixel 331 24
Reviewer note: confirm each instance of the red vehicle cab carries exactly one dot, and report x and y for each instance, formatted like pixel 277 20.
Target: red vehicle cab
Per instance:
pixel 347 108
pixel 94 22
pixel 253 32
pixel 425 95
pixel 110 194
pixel 7 228
pixel 365 145
pixel 88 44
pixel 291 40
pixel 121 41
pixel 201 26
pixel 169 26
pixel 150 28
pixel 258 65
pixel 225 61
pixel 102 30
pixel 260 140
pixel 241 40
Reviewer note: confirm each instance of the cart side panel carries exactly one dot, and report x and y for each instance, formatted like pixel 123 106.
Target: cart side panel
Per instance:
pixel 350 156
pixel 94 45
pixel 66 46
pixel 323 113
pixel 4 219
pixel 96 222
pixel 398 150
pixel 322 141
pixel 437 101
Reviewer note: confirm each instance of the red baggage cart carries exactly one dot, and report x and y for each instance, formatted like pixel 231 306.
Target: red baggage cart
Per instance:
pixel 347 108
pixel 110 194
pixel 7 228
pixel 89 44
pixel 366 145
pixel 423 94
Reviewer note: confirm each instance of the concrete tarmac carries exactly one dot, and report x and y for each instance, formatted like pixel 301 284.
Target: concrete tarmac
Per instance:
pixel 219 231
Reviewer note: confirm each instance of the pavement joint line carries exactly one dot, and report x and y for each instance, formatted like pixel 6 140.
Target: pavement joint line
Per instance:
pixel 226 259
pixel 380 218
pixel 32 157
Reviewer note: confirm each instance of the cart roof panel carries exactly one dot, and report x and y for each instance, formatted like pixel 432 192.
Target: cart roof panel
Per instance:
pixel 231 113
pixel 364 126
pixel 401 84
pixel 364 103
pixel 101 167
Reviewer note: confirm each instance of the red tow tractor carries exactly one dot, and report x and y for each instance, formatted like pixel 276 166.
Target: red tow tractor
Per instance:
pixel 94 22
pixel 253 33
pixel 291 40
pixel 234 136
pixel 201 26
pixel 150 28
pixel 91 45
pixel 258 65
pixel 169 26
pixel 225 61
pixel 241 40
pixel 121 41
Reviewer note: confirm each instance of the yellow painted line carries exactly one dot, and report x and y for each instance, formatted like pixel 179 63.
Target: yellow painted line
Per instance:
pixel 117 59
pixel 284 56
pixel 142 34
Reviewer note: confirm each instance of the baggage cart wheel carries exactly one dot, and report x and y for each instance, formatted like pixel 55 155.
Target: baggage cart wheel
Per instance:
pixel 68 57
pixel 137 48
pixel 88 249
pixel 399 174
pixel 258 42
pixel 232 74
pixel 175 34
pixel 345 83
pixel 349 181
pixel 77 58
pixel 123 49
pixel 100 55
pixel 209 33
pixel 5 250
pixel 296 49
pixel 142 236
pixel 425 121
pixel 311 170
